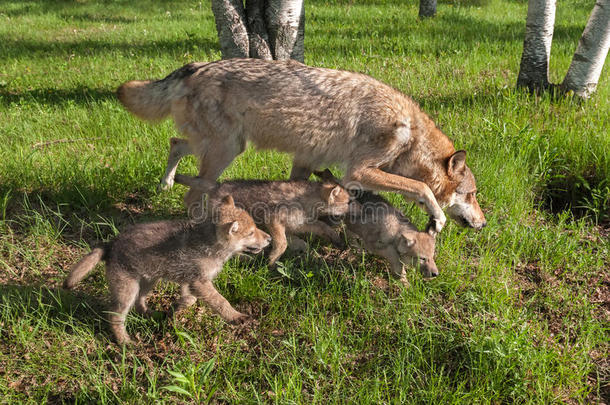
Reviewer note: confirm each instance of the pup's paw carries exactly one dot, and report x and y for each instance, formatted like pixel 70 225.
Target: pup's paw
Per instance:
pixel 240 319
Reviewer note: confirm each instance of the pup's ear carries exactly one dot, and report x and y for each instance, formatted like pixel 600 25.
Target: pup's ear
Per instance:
pixel 228 200
pixel 457 164
pixel 406 242
pixel 329 193
pixel 431 229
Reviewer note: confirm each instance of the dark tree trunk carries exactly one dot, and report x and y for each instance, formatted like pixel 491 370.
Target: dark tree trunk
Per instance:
pixel 534 69
pixel 427 8
pixel 259 40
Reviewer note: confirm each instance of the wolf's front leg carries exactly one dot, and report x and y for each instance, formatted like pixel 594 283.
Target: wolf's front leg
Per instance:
pixel 396 266
pixel 372 178
pixel 278 239
pixel 205 290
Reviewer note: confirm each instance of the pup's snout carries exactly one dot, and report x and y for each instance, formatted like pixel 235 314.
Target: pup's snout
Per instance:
pixel 431 273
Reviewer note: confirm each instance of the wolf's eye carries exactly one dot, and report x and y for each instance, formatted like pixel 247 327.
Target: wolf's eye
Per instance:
pixel 251 233
pixel 423 260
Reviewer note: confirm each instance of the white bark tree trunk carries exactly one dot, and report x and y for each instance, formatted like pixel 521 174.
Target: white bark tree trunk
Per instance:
pixel 534 69
pixel 588 60
pixel 427 8
pixel 286 26
pixel 264 29
pixel 230 19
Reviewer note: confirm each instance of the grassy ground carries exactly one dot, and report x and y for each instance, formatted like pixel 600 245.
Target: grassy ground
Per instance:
pixel 520 312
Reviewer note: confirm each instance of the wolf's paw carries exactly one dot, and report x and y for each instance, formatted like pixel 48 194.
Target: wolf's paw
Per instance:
pixel 436 225
pixel 166 184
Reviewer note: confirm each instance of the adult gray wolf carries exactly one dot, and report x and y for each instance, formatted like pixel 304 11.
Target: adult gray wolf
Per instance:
pixel 186 252
pixel 292 206
pixel 322 116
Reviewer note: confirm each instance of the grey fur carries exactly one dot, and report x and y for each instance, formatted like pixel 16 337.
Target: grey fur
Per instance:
pixel 280 207
pixel 188 253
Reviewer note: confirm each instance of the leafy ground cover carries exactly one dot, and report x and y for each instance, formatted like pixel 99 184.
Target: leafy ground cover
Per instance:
pixel 520 312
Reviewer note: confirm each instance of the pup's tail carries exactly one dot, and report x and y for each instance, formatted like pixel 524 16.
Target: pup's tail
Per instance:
pixel 80 270
pixel 152 100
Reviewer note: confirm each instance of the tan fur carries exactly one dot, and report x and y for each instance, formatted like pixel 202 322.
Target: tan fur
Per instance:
pixel 280 207
pixel 323 116
pixel 188 253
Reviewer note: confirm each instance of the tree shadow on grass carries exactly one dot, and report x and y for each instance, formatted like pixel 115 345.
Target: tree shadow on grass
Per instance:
pixel 79 95
pixel 57 306
pixel 442 34
pixel 67 8
pixel 15 48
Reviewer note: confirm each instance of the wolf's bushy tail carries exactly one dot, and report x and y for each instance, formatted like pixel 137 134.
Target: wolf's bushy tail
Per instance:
pixel 146 99
pixel 80 270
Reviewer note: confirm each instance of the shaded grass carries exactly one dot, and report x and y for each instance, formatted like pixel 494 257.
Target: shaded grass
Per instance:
pixel 519 313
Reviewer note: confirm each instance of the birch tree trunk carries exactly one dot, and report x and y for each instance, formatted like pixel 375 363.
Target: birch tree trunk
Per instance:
pixel 427 8
pixel 231 26
pixel 588 60
pixel 264 29
pixel 286 26
pixel 534 69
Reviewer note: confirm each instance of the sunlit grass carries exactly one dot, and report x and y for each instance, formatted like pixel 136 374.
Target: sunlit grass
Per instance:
pixel 516 316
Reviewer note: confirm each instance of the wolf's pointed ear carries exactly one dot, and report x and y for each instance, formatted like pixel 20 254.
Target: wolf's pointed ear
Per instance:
pixel 406 242
pixel 228 200
pixel 409 241
pixel 457 164
pixel 233 227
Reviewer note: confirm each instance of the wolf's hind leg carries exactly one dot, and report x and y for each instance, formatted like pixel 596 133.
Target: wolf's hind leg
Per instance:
pixel 146 288
pixel 186 298
pixel 212 163
pixel 178 149
pixel 124 292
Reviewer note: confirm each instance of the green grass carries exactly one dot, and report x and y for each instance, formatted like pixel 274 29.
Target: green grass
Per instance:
pixel 519 313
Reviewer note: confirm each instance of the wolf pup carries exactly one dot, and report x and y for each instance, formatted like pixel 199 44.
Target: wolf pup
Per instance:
pixel 322 116
pixel 291 206
pixel 188 253
pixel 386 231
